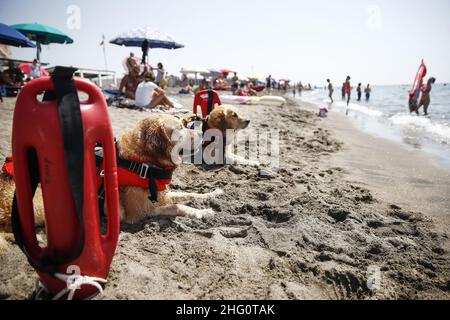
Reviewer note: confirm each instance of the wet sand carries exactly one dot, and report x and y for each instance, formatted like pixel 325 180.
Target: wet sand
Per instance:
pixel 319 228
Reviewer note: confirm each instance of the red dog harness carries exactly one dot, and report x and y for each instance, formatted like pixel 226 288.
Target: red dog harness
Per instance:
pixel 129 173
pixel 137 174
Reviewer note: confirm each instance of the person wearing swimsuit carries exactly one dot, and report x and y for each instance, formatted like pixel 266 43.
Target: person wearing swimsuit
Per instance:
pixel 425 99
pixel 348 89
pixel 330 90
pixel 359 90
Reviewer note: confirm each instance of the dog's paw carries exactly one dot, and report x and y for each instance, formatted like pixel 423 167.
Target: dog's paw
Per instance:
pixel 253 163
pixel 216 193
pixel 204 213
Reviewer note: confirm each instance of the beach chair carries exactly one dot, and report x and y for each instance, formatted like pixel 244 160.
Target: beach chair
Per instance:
pixel 206 100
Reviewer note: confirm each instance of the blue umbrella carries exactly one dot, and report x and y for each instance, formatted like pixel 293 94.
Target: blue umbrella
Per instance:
pixel 12 37
pixel 146 38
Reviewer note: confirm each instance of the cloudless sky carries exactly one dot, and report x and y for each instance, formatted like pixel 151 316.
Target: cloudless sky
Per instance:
pixel 378 41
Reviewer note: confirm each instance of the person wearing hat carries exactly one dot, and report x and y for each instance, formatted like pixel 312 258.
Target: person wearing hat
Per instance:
pixel 149 95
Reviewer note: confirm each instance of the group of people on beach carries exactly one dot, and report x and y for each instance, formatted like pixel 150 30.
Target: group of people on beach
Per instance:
pixel 424 100
pixel 347 90
pixel 142 86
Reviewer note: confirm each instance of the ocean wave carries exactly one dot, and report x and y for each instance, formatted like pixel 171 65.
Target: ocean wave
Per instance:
pixel 422 123
pixel 361 109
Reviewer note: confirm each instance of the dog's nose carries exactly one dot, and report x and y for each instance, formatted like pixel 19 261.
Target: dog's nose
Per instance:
pixel 246 124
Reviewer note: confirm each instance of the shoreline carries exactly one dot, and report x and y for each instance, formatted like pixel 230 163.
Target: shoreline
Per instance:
pixel 394 171
pixel 375 121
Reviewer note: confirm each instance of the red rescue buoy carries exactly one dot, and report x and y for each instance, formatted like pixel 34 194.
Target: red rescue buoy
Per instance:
pixel 207 101
pixel 49 150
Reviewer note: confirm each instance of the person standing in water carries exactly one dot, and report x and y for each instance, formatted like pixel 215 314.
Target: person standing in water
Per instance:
pixel 367 91
pixel 425 99
pixel 343 91
pixel 359 91
pixel 330 90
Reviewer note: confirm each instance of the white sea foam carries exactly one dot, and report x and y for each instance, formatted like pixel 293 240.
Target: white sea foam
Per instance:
pixel 359 108
pixel 439 130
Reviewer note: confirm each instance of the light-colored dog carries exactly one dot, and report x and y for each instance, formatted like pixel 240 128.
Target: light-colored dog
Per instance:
pixel 227 117
pixel 153 140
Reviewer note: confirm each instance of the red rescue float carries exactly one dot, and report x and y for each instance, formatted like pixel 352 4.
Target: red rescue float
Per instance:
pixel 54 148
pixel 417 87
pixel 207 101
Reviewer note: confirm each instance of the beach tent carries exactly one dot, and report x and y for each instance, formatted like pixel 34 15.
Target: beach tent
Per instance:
pixel 42 35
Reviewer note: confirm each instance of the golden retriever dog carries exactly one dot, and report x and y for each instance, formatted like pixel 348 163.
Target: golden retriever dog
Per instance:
pixel 225 118
pixel 154 140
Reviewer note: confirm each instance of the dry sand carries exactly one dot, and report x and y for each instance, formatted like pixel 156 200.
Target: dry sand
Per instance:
pixel 317 229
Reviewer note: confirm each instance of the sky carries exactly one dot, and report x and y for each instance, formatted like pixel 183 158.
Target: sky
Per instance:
pixel 377 42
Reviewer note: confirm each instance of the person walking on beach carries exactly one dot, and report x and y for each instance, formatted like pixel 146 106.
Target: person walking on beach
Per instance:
pixel 359 91
pixel 294 89
pixel 330 90
pixel 425 100
pixel 343 91
pixel 269 82
pixel 367 91
pixel 348 89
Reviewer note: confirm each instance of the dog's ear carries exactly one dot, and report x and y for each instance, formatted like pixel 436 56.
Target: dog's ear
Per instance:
pixel 219 119
pixel 154 138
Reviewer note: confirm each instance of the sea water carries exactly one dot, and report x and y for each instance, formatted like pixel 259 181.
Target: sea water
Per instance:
pixel 386 115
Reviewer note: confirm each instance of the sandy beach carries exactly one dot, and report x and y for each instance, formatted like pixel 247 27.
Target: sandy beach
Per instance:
pixel 333 223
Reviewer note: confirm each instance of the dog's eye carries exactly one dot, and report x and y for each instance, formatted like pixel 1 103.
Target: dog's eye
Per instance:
pixel 234 114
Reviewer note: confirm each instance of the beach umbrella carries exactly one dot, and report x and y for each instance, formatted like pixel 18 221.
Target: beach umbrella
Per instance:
pixel 42 35
pixel 226 71
pixel 26 68
pixel 215 72
pixel 12 37
pixel 195 71
pixel 146 38
pixel 256 77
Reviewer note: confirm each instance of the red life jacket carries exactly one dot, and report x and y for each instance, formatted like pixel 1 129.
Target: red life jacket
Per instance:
pixel 137 174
